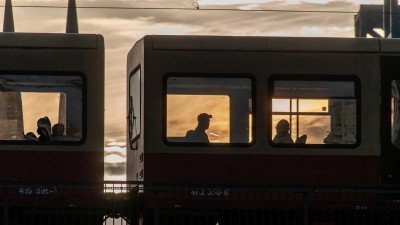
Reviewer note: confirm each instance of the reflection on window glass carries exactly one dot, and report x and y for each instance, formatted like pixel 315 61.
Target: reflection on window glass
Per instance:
pixel 40 108
pixel 134 108
pixel 395 119
pixel 314 112
pixel 305 105
pixel 208 110
pixel 281 105
pixel 313 105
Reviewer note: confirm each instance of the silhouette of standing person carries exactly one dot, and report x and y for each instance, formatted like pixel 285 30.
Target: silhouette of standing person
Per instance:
pixel 199 134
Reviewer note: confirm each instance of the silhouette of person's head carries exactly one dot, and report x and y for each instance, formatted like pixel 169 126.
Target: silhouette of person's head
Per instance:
pixel 203 120
pixel 30 136
pixel 58 129
pixel 282 127
pixel 44 129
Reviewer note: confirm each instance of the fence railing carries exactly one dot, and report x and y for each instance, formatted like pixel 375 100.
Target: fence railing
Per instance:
pixel 197 204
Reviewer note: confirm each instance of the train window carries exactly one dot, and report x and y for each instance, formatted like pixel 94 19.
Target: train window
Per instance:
pixel 41 108
pixel 395 117
pixel 208 110
pixel 134 109
pixel 314 112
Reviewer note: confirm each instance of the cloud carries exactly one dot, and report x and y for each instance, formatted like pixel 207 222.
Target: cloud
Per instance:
pixel 114 171
pixel 115 143
pixel 311 31
pixel 231 2
pixel 119 177
pixel 114 154
pixel 114 158
pixel 253 2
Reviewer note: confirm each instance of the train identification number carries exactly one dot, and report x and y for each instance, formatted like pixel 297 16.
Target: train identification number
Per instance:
pixel 210 192
pixel 39 190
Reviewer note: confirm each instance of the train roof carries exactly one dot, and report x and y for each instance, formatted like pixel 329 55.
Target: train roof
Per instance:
pixel 253 43
pixel 49 40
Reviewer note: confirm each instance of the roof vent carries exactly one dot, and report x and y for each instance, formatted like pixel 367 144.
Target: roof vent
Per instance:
pixel 8 23
pixel 72 18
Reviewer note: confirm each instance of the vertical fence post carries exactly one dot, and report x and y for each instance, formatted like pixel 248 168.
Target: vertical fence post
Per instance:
pixel 305 208
pixel 156 209
pixel 5 207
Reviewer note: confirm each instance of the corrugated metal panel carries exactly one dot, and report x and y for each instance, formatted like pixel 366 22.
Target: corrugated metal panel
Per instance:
pixel 323 44
pixel 221 43
pixel 46 40
pixel 235 43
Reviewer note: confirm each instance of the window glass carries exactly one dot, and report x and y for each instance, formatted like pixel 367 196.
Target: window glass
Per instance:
pixel 209 110
pixel 134 109
pixel 314 112
pixel 40 108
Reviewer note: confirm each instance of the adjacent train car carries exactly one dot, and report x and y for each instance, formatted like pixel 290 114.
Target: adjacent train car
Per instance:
pixel 51 114
pixel 271 111
pixel 338 96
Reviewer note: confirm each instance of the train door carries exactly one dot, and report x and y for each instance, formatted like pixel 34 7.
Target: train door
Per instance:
pixel 390 120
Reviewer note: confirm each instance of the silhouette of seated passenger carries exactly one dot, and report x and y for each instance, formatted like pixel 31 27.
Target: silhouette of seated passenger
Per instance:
pixel 282 134
pixel 199 134
pixel 30 136
pixel 302 139
pixel 58 132
pixel 44 129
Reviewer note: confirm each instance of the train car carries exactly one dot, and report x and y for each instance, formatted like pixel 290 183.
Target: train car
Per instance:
pixel 285 111
pixel 51 120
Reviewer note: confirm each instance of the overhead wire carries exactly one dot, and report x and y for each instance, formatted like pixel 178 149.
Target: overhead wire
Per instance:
pixel 195 8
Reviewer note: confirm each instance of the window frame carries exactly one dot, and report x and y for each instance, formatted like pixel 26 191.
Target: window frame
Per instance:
pixel 133 140
pixel 317 77
pixel 84 90
pixel 208 75
pixel 391 112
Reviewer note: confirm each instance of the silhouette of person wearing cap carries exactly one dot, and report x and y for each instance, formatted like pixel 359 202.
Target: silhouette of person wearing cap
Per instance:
pixel 199 134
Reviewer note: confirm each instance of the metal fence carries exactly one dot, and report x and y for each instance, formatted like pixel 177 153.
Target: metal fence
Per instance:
pixel 255 205
pixel 65 204
pixel 137 203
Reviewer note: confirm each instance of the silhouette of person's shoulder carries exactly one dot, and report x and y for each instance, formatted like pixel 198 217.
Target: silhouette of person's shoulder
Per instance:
pixel 189 135
pixel 283 138
pixel 196 136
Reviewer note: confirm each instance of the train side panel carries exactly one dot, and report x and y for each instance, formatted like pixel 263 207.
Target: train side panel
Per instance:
pixel 263 63
pixel 135 112
pixel 62 75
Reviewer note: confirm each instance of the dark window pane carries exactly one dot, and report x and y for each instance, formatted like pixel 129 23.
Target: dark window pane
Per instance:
pixel 134 107
pixel 40 108
pixel 324 111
